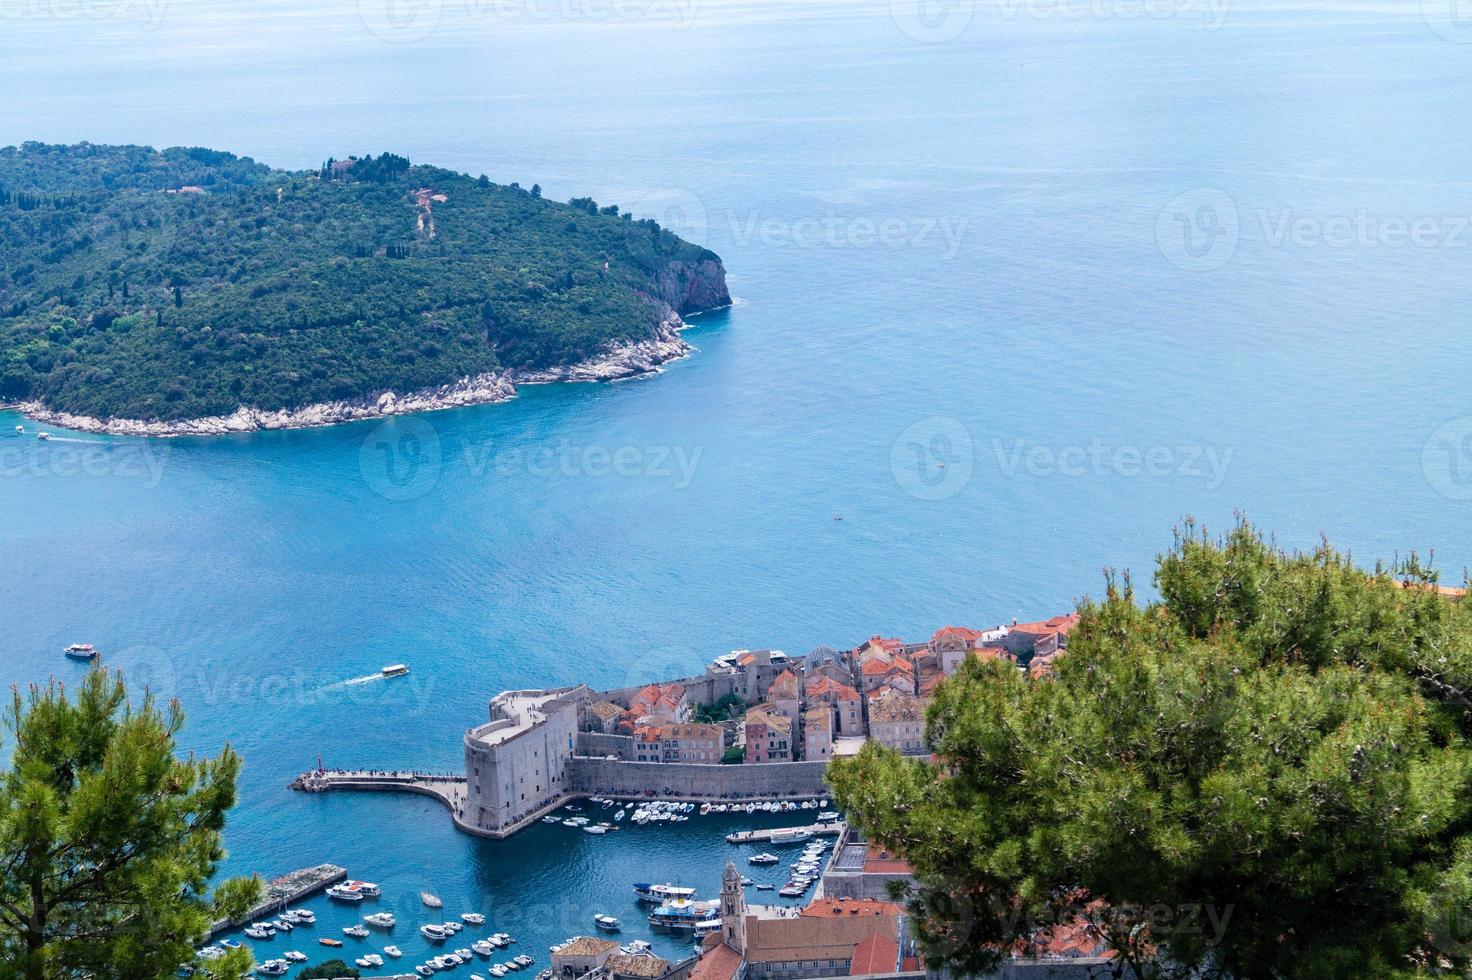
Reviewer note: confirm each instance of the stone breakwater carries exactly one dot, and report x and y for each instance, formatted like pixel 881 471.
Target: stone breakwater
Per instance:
pixel 620 360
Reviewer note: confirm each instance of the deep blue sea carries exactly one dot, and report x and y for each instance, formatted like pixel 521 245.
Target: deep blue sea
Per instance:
pixel 1019 286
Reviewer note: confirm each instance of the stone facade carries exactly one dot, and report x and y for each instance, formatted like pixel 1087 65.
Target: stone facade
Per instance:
pixel 515 765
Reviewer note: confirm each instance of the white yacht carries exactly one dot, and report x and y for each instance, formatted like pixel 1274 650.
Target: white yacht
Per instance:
pixel 763 859
pixel 474 918
pixel 381 920
pixel 393 951
pixel 434 933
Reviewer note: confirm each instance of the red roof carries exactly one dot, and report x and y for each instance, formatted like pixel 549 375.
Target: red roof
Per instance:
pixel 877 954
pixel 719 963
pixel 822 685
pixel 959 632
pixel 878 666
pixel 882 862
pixel 1057 624
pixel 884 642
pixel 837 908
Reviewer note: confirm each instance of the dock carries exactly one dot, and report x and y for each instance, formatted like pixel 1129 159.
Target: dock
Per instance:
pixel 287 890
pixel 762 836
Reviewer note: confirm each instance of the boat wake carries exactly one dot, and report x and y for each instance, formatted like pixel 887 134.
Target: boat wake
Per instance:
pixel 365 679
pixel 81 442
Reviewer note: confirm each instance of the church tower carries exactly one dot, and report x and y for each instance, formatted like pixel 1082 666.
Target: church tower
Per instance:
pixel 733 909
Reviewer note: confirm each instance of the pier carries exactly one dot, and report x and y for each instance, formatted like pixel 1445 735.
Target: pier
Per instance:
pixel 762 836
pixel 287 890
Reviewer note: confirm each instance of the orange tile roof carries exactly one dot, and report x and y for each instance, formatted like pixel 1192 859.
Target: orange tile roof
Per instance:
pixel 1055 624
pixel 877 954
pixel 823 685
pixel 959 632
pixel 882 862
pixel 833 908
pixel 718 963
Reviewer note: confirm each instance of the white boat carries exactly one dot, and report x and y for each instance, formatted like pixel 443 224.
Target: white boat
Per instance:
pixel 273 968
pixel 393 951
pixel 82 651
pixel 646 892
pixel 43 436
pixel 595 829
pixel 607 922
pixel 474 918
pixel 430 900
pixel 795 835
pixel 828 816
pixel 395 670
pixel 636 947
pixel 619 815
pixel 345 894
pixel 523 960
pixel 482 947
pixel 451 927
pixel 357 932
pixel 381 920
pixel 763 859
pixel 434 933
pixel 424 971
pixel 281 925
pixel 304 916
pixel 366 887
pixel 295 956
pixel 497 970
pixel 707 926
pixel 256 932
pixel 19 429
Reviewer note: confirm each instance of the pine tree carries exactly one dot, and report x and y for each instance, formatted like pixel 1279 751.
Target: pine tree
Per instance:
pixel 108 840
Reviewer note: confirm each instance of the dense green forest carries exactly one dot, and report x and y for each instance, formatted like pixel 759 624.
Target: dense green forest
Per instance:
pixel 181 283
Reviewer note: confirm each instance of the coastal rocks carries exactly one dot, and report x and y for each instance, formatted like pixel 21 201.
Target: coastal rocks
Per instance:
pixel 625 359
pixel 692 287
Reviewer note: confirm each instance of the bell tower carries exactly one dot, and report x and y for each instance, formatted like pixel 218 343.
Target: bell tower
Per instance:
pixel 733 909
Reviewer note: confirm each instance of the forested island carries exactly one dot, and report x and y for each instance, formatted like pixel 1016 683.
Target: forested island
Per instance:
pixel 191 290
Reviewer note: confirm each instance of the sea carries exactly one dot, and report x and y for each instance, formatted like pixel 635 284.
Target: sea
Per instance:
pixel 1020 286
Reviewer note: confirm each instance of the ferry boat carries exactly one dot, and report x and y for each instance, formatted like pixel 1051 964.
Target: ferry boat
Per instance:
pixel 796 835
pixel 345 894
pixel 395 670
pixel 680 914
pixel 607 923
pixel 366 887
pixel 82 651
pixel 705 927
pixel 661 893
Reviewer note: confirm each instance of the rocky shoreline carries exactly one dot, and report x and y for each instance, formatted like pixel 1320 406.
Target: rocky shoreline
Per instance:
pixel 625 360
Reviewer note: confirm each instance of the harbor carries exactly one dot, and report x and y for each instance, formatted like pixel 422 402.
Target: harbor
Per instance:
pixel 288 889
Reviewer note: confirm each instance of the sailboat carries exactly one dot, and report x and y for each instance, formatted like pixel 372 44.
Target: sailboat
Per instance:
pixel 429 898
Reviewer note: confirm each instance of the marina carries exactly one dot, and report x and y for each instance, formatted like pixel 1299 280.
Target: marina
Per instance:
pixel 288 889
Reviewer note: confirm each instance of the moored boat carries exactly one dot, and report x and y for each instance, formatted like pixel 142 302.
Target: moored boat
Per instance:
pixel 646 892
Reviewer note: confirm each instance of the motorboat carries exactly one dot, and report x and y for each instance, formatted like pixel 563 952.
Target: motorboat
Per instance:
pixel 381 920
pixel 393 951
pixel 395 670
pixel 646 892
pixel 366 887
pixel 333 943
pixel 357 932
pixel 795 835
pixel 430 900
pixel 305 916
pixel 523 960
pixel 451 927
pixel 434 933
pixel 272 968
pixel 763 859
pixel 597 829
pixel 497 970
pixel 342 893
pixel 82 651
pixel 474 918
pixel 504 938
pixel 828 816
pixel 423 970
pixel 607 922
pixel 680 914
pixel 43 436
pixel 295 956
pixel 257 932
pixel 282 925
pixel 765 888
pixel 482 948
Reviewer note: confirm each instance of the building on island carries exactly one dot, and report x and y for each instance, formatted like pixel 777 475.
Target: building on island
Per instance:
pixel 768 736
pixel 897 720
pixel 817 733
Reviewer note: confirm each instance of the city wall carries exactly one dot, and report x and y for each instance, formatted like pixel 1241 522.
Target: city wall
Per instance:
pixel 684 781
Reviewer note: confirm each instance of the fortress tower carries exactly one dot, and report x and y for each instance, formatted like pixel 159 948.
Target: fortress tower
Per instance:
pixel 733 909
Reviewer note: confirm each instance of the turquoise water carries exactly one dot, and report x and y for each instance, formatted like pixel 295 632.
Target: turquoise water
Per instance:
pixel 1012 302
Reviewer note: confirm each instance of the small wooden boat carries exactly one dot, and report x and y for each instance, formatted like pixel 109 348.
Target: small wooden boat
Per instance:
pixel 334 943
